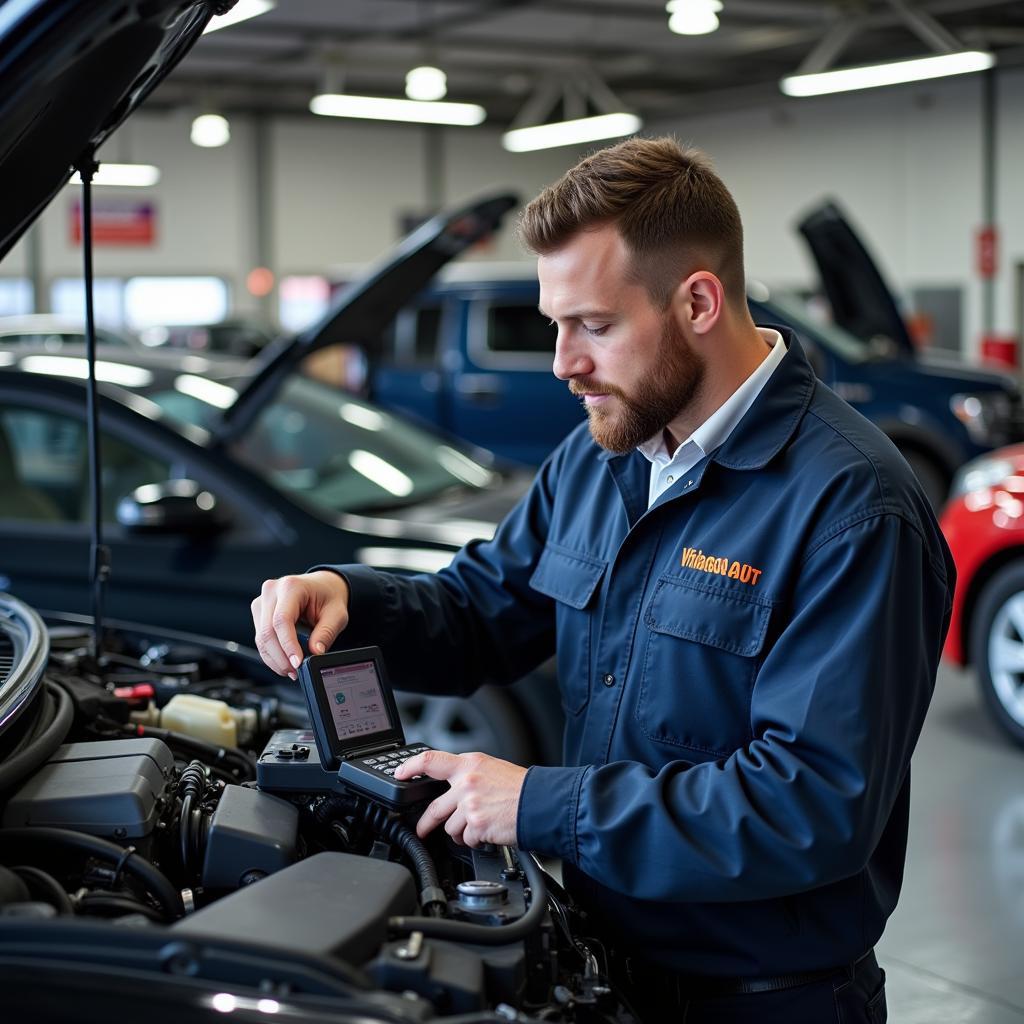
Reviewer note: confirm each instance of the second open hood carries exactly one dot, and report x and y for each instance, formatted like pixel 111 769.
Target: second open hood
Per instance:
pixel 861 301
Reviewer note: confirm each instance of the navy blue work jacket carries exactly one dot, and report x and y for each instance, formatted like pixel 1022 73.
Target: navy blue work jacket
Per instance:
pixel 745 669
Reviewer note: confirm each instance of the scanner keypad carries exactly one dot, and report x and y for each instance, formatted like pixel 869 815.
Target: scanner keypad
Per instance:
pixel 387 761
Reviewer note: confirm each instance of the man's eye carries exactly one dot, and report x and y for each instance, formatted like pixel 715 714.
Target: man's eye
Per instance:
pixel 596 331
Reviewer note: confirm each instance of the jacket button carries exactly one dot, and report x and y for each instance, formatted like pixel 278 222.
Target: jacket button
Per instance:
pixel 608 679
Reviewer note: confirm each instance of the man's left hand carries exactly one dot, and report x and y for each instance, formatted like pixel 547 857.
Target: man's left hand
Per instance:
pixel 482 803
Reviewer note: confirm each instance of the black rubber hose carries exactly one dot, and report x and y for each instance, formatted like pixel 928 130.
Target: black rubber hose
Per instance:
pixel 21 765
pixel 209 753
pixel 481 934
pixel 432 896
pixel 192 784
pixel 118 905
pixel 45 886
pixel 155 881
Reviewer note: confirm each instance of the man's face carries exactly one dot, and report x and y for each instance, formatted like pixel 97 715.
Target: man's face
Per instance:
pixel 626 358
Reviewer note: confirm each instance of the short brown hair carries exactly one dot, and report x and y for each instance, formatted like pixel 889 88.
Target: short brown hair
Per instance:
pixel 672 210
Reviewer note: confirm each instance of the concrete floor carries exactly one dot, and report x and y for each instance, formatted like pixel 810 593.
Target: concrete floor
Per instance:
pixel 954 948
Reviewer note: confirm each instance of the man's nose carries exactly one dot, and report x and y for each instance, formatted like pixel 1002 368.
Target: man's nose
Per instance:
pixel 571 359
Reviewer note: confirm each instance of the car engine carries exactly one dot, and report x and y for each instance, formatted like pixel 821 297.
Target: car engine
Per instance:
pixel 156 869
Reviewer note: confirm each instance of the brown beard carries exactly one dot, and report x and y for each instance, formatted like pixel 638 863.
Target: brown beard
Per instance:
pixel 659 397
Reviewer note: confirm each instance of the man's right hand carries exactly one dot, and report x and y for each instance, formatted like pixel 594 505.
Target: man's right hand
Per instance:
pixel 319 599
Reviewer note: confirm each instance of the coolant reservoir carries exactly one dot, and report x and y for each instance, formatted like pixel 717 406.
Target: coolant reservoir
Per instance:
pixel 201 717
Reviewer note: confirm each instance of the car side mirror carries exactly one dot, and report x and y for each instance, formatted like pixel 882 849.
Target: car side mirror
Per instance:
pixel 172 506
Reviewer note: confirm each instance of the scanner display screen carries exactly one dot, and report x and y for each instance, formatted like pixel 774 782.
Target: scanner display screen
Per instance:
pixel 358 709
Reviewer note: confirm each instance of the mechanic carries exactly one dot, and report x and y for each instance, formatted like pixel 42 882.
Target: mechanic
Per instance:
pixel 747 592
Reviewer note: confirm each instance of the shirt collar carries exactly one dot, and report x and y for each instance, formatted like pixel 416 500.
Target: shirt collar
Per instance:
pixel 720 424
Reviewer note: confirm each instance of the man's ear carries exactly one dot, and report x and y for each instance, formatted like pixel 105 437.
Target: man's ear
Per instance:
pixel 699 301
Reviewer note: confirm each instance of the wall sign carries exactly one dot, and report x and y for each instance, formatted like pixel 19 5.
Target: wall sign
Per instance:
pixel 116 221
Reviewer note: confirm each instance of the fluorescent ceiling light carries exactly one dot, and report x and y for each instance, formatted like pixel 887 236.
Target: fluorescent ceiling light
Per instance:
pixel 380 472
pixel 426 83
pixel 693 17
pixel 894 73
pixel 361 416
pixel 379 108
pixel 567 133
pixel 464 468
pixel 209 391
pixel 137 175
pixel 242 11
pixel 210 131
pixel 69 366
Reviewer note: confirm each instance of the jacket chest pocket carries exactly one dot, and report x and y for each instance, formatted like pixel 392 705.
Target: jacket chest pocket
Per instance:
pixel 702 654
pixel 571 578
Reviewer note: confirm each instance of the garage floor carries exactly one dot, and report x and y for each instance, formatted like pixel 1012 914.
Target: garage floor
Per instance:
pixel 954 949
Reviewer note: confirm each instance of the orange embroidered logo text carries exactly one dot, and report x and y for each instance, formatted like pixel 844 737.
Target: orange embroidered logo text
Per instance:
pixel 694 558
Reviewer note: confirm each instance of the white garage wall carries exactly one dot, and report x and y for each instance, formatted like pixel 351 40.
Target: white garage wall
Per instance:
pixel 905 164
pixel 1010 193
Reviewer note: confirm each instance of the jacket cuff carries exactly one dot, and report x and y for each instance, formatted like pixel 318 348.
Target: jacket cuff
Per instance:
pixel 548 805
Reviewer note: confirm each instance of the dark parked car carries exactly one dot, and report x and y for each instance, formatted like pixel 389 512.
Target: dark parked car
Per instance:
pixel 235 336
pixel 196 522
pixel 54 332
pixel 468 355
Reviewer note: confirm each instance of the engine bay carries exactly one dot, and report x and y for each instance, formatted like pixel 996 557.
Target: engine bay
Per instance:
pixel 165 824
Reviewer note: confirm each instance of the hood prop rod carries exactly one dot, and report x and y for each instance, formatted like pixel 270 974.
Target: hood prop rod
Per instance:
pixel 100 553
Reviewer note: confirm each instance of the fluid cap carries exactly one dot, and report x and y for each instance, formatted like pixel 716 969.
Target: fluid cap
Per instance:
pixel 480 893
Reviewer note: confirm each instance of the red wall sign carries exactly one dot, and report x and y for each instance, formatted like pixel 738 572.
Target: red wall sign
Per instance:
pixel 117 222
pixel 987 250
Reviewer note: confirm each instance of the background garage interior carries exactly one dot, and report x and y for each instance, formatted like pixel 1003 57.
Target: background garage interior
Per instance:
pixel 922 170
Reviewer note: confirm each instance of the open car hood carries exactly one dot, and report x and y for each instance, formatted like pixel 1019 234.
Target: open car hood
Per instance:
pixel 359 314
pixel 862 302
pixel 70 73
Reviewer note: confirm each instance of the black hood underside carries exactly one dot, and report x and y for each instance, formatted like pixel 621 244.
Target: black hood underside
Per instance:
pixel 70 72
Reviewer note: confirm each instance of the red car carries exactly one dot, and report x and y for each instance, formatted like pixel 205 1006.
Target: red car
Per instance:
pixel 984 526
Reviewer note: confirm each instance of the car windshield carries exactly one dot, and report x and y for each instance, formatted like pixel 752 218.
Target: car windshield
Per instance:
pixel 332 451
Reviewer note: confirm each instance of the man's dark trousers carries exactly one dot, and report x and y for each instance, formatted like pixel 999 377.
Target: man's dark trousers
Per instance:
pixel 850 995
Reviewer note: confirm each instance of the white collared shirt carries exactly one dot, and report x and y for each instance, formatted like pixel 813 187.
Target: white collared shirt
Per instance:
pixel 665 469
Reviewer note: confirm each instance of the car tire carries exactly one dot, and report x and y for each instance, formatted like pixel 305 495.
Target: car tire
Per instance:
pixel 488 721
pixel 933 481
pixel 997 648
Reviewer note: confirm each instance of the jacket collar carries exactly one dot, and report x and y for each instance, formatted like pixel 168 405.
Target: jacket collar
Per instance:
pixel 769 423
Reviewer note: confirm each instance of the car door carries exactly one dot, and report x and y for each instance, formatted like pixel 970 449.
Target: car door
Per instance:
pixel 197 582
pixel 505 396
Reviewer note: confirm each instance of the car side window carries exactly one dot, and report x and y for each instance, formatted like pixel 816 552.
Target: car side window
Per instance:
pixel 519 329
pixel 44 467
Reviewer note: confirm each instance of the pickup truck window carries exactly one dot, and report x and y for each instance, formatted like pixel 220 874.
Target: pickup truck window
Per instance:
pixel 519 328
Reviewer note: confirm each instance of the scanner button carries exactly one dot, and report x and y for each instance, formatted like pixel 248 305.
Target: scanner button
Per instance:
pixel 389 771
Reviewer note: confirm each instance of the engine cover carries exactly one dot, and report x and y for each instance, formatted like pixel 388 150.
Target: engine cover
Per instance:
pixel 329 905
pixel 111 788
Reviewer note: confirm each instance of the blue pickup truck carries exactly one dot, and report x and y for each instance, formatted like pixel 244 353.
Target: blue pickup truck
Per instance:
pixel 473 357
